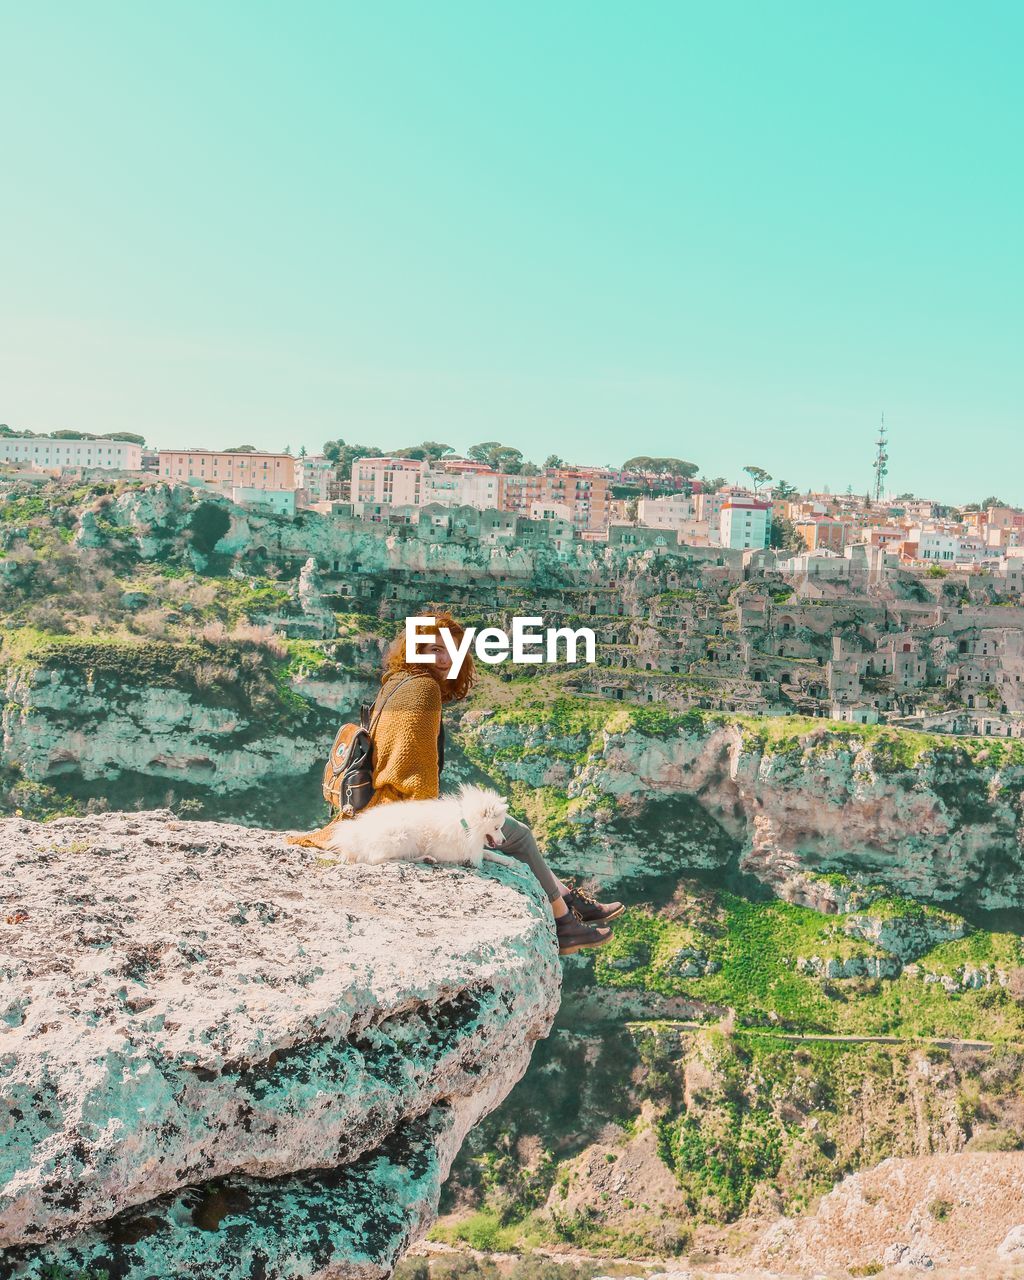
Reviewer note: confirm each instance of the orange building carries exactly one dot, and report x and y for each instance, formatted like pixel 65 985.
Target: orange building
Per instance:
pixel 824 533
pixel 584 491
pixel 226 470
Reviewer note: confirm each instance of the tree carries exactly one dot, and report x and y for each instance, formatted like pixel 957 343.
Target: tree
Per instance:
pixel 783 536
pixel 483 452
pixel 209 523
pixel 758 476
pixel 428 451
pixel 128 436
pixel 242 448
pixel 498 456
pixel 661 466
pixel 553 460
pixel 785 490
pixel 992 502
pixel 302 451
pixel 287 449
pixel 435 450
pixel 509 460
pixel 529 469
pixel 714 484
pixel 633 510
pixel 343 455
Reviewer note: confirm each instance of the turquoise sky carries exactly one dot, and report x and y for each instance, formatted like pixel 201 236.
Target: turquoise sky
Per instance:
pixel 732 232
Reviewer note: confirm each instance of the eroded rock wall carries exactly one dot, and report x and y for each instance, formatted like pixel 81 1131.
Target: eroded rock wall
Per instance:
pixel 198 1010
pixel 936 828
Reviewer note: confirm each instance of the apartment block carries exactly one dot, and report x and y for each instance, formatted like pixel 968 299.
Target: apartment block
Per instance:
pixel 744 523
pixel 473 486
pixel 672 511
pixel 824 533
pixel 387 482
pixel 314 475
pixel 225 470
pixel 585 491
pixel 44 451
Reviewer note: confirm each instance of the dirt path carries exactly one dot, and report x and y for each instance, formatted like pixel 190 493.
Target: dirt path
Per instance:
pixel 804 1037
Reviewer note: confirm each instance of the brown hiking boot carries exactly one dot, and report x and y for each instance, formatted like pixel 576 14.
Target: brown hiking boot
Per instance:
pixel 574 935
pixel 588 909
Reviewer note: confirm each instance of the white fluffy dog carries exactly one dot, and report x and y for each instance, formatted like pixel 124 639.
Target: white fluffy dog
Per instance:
pixel 454 829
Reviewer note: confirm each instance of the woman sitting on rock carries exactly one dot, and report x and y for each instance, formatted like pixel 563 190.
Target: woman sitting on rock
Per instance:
pixel 408 755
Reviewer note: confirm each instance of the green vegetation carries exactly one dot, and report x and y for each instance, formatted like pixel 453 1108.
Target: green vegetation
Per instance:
pixel 752 950
pixel 720 1165
pixel 645 1235
pixel 890 749
pixel 209 523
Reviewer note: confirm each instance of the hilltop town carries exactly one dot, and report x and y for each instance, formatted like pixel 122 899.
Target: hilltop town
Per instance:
pixel 757 601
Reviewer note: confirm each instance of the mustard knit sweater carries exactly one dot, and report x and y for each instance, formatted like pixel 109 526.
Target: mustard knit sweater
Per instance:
pixel 405 763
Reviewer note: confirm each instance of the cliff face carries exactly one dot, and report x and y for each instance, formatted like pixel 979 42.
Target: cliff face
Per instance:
pixel 925 817
pixel 223 1056
pixel 156 520
pixel 127 722
pixel 936 825
pixel 60 720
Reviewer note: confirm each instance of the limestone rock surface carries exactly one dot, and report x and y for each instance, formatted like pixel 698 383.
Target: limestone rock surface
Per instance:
pixel 916 1214
pixel 939 830
pixel 218 1047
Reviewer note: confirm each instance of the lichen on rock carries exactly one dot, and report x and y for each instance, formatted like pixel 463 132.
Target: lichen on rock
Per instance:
pixel 198 1010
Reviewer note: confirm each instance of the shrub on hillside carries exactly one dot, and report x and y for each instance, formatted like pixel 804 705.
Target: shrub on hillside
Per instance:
pixel 208 525
pixel 48 617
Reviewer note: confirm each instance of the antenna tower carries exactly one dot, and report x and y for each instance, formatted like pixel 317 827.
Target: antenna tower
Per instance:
pixel 881 467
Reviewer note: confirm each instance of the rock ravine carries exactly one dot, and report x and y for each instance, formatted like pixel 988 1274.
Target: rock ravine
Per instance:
pixel 224 1055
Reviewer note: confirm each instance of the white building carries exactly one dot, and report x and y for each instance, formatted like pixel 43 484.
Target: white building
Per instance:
pixel 935 544
pixel 545 509
pixel 442 488
pixel 480 489
pixel 672 511
pixel 44 451
pixel 280 501
pixel 314 474
pixel 708 506
pixel 944 545
pixel 744 523
pixel 462 488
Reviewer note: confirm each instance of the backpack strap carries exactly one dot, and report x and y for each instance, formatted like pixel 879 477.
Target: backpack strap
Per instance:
pixel 371 725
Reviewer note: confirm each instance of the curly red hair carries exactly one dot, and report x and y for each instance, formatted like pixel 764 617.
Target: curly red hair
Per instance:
pixel 451 690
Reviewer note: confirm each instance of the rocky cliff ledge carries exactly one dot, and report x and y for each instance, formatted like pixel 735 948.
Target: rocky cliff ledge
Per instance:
pixel 934 818
pixel 224 1056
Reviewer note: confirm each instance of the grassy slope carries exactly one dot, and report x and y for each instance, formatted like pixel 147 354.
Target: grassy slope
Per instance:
pixel 757 950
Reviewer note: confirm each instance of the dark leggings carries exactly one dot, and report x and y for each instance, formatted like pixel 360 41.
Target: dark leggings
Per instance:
pixel 519 843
